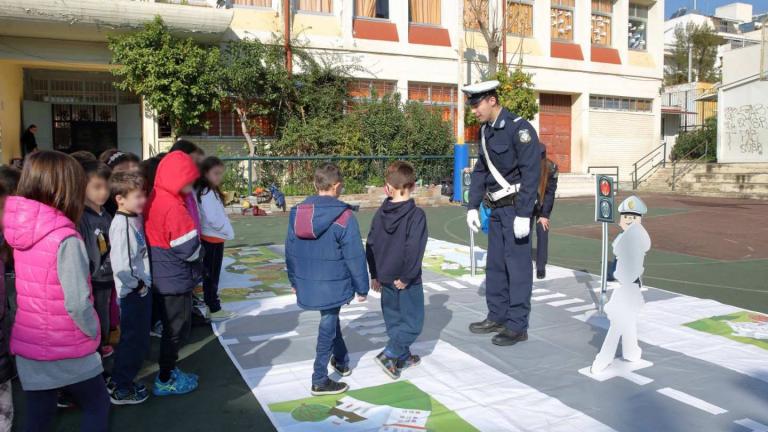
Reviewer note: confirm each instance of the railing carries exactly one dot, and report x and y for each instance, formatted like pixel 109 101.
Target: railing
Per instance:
pixel 294 174
pixel 614 173
pixel 646 165
pixel 683 165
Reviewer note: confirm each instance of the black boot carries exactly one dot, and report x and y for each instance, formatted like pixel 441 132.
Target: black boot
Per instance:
pixel 330 387
pixel 508 337
pixel 541 274
pixel 485 326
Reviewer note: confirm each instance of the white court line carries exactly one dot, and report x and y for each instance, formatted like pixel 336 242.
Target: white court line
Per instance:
pixel 565 302
pixel 548 296
pixel 271 336
pixel 372 323
pixel 353 309
pixel 435 286
pixel 540 291
pixel 374 294
pixel 375 330
pixel 454 284
pixel 351 317
pixel 692 401
pixel 581 308
pixel 229 341
pixel 378 339
pixel 752 425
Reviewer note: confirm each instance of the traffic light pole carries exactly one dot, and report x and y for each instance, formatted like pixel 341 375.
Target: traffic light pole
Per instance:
pixel 472 264
pixel 603 271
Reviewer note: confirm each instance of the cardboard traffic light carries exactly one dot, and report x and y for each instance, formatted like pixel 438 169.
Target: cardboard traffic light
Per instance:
pixel 466 181
pixel 605 209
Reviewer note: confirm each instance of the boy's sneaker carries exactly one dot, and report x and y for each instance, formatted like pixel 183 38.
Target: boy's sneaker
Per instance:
pixel 187 375
pixel 111 386
pixel 411 361
pixel 341 370
pixel 178 384
pixel 107 351
pixel 222 315
pixel 389 365
pixel 64 401
pixel 157 330
pixel 330 387
pixel 130 397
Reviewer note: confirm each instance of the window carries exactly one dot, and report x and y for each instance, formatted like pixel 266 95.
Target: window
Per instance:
pixel 620 103
pixel 364 89
pixel 225 123
pixel 253 3
pixel 472 10
pixel 520 18
pixel 602 10
pixel 638 27
pixel 562 19
pixel 316 6
pixel 442 98
pixel 372 8
pixel 424 12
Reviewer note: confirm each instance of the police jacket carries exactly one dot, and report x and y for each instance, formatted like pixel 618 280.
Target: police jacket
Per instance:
pixel 513 148
pixel 544 208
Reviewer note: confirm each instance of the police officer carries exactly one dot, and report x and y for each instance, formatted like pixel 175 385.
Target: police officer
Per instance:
pixel 546 194
pixel 505 178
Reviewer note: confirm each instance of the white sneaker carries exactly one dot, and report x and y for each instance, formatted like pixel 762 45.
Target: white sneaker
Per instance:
pixel 222 315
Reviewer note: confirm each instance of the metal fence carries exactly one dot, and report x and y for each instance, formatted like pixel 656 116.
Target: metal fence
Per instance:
pixel 293 175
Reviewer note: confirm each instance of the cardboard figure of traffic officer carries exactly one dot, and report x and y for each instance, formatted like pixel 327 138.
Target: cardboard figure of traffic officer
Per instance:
pixel 505 179
pixel 631 210
pixel 546 194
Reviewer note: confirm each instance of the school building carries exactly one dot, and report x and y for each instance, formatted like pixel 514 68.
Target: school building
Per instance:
pixel 597 66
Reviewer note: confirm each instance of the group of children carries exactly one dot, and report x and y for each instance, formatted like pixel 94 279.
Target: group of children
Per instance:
pixel 96 244
pixel 328 267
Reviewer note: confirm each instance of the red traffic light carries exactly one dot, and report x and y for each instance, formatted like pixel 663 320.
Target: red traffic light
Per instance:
pixel 605 188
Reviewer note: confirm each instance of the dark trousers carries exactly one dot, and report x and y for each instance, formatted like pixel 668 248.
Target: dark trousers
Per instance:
pixel 403 312
pixel 329 341
pixel 212 259
pixel 135 323
pixel 89 395
pixel 542 247
pixel 176 315
pixel 509 274
pixel 102 292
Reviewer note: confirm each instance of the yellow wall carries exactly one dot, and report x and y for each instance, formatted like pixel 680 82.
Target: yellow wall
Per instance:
pixel 256 20
pixel 639 58
pixel 11 92
pixel 316 25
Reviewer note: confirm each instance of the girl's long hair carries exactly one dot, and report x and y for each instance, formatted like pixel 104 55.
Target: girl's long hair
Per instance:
pixel 202 185
pixel 56 180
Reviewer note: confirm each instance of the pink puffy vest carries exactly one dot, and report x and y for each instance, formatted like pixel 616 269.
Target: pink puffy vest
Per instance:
pixel 42 330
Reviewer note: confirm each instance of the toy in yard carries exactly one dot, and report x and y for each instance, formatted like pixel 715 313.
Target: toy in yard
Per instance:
pixel 264 196
pixel 278 196
pixel 626 301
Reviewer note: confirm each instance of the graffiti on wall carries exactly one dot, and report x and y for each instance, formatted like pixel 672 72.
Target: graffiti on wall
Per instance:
pixel 744 126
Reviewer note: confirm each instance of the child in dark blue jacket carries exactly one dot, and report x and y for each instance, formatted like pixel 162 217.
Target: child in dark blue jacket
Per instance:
pixel 326 267
pixel 395 250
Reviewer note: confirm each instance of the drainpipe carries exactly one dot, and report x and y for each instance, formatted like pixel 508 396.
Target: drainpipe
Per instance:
pixel 504 32
pixel 287 34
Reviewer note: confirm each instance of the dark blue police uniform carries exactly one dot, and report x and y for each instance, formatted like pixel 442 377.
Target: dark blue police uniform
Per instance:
pixel 513 148
pixel 544 210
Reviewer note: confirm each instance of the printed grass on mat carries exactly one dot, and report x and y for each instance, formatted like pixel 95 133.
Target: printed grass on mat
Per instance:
pixel 253 272
pixel 401 394
pixel 745 327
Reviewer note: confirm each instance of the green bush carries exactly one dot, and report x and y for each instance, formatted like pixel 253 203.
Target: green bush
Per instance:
pixel 693 145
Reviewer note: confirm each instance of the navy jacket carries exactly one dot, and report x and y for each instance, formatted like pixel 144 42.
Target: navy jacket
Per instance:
pixel 548 202
pixel 94 228
pixel 395 245
pixel 324 254
pixel 513 148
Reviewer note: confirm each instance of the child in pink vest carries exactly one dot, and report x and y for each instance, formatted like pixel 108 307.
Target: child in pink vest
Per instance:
pixel 55 334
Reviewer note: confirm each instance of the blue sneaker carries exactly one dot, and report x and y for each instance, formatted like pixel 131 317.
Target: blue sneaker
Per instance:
pixel 188 375
pixel 178 384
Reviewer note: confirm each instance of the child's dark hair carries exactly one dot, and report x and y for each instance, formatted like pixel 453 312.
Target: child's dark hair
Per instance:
pixel 187 147
pixel 148 167
pixel 9 178
pixel 114 157
pixel 327 175
pixel 83 156
pixel 56 180
pixel 94 168
pixel 124 182
pixel 202 185
pixel 401 175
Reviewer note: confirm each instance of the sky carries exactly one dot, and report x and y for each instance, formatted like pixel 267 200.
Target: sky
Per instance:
pixel 708 6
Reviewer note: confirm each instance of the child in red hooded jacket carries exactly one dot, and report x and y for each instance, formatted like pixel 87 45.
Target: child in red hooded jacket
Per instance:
pixel 175 264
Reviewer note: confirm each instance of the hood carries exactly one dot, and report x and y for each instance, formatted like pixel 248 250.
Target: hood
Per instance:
pixel 393 213
pixel 315 215
pixel 176 170
pixel 26 222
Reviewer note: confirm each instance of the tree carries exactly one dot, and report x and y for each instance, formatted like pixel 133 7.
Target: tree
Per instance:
pixel 481 15
pixel 176 77
pixel 516 92
pixel 699 42
pixel 253 79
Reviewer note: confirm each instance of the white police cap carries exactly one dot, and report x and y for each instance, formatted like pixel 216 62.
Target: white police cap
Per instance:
pixel 476 92
pixel 633 205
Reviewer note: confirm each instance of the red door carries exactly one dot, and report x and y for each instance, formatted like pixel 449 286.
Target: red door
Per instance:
pixel 555 128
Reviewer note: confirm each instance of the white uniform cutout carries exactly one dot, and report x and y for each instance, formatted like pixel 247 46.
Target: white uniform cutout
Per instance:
pixel 626 301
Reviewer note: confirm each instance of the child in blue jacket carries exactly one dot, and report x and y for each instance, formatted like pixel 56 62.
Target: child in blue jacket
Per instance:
pixel 326 267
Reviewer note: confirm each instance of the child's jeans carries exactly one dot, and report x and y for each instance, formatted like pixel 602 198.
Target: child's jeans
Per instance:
pixel 403 312
pixel 89 395
pixel 212 259
pixel 329 341
pixel 102 291
pixel 135 323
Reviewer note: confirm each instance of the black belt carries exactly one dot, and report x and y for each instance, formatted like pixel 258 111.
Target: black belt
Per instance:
pixel 507 201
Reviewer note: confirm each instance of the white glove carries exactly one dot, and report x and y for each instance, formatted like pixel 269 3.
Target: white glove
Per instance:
pixel 522 227
pixel 473 221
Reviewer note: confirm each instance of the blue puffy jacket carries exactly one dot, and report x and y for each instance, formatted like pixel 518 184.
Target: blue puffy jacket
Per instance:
pixel 324 254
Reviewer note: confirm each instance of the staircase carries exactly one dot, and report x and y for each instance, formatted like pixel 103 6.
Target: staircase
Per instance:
pixel 575 185
pixel 716 180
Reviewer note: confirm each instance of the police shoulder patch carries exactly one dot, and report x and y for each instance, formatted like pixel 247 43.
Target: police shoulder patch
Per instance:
pixel 524 135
